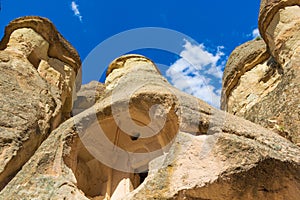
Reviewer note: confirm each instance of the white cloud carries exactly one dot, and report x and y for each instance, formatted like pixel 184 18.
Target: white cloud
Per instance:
pixel 75 9
pixel 198 73
pixel 255 33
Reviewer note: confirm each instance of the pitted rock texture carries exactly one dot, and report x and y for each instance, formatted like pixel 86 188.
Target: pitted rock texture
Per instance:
pixel 283 34
pixel 138 122
pixel 223 166
pixel 277 106
pixel 36 91
pixel 250 74
pixel 54 58
pixel 202 153
pixel 251 53
pixel 280 110
pixel 279 26
pixel 248 64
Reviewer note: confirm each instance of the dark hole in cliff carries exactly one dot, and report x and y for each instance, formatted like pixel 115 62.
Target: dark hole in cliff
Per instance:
pixel 135 136
pixel 96 179
pixel 143 176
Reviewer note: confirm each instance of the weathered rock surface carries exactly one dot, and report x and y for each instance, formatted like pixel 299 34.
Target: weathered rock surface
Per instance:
pixel 59 47
pixel 137 137
pixel 248 64
pixel 199 152
pixel 224 165
pixel 87 96
pixel 279 25
pixel 36 89
pixel 268 93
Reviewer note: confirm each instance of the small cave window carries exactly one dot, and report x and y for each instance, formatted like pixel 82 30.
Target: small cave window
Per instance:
pixel 135 136
pixel 143 176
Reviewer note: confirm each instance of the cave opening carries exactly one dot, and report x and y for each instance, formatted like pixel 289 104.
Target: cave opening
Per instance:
pixel 143 176
pixel 98 180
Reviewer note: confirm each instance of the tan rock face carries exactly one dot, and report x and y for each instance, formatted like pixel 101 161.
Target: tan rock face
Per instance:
pixel 87 96
pixel 74 160
pixel 137 137
pixel 53 57
pixel 36 91
pixel 248 65
pixel 250 74
pixel 234 168
pixel 272 102
pixel 283 34
pixel 59 47
pixel 279 26
pixel 198 151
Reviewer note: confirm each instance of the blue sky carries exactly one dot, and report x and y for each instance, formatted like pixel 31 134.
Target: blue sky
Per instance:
pixel 216 27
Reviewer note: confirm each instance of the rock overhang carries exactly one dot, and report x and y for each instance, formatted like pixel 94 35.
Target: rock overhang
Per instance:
pixel 59 47
pixel 268 9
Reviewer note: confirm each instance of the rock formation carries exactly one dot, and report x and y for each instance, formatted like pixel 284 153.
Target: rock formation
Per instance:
pixel 37 85
pixel 76 172
pixel 138 137
pixel 198 152
pixel 272 71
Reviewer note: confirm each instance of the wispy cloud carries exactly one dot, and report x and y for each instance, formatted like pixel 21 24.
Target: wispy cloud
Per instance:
pixel 75 9
pixel 255 33
pixel 198 72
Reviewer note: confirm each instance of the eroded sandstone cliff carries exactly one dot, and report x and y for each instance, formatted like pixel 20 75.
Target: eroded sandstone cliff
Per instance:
pixel 197 152
pixel 37 86
pixel 265 87
pixel 138 137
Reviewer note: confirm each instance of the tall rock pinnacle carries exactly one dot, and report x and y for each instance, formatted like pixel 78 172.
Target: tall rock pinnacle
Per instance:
pixel 266 91
pixel 37 85
pixel 142 124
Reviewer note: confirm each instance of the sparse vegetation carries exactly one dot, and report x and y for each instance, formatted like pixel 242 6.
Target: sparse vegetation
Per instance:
pixel 258 38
